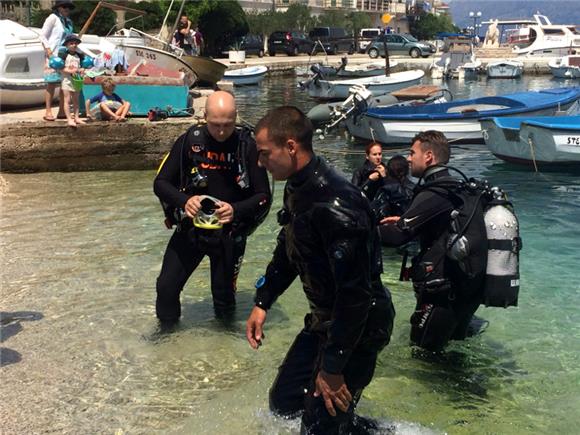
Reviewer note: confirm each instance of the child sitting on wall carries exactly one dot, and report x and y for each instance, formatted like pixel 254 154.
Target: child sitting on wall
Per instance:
pixel 110 105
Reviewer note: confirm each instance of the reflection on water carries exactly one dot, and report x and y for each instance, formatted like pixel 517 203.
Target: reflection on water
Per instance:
pixel 84 250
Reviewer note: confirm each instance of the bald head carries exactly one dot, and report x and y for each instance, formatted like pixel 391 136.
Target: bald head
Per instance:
pixel 220 115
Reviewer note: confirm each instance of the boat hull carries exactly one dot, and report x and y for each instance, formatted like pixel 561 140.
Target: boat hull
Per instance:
pixel 207 70
pixel 379 85
pixel 535 141
pixel 504 70
pixel 458 127
pixel 246 76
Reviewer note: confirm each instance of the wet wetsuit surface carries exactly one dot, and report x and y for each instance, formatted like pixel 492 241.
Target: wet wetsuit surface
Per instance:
pixel 330 241
pixel 446 301
pixel 175 184
pixel 360 178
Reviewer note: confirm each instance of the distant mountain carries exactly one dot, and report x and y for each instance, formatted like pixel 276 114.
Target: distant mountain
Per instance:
pixel 558 11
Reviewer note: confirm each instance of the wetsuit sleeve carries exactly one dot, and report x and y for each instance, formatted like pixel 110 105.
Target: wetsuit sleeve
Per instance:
pixel 346 238
pixel 279 275
pixel 259 201
pixel 426 206
pixel 356 177
pixel 168 181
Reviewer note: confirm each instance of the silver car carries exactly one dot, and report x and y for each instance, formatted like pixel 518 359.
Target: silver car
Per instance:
pixel 400 44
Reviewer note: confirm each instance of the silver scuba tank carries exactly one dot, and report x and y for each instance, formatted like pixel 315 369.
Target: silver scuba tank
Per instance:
pixel 502 281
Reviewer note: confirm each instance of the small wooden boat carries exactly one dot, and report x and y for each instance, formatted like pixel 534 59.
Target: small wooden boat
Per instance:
pixel 459 119
pixel 505 69
pixel 378 85
pixel 566 67
pixel 147 87
pixel 537 141
pixel 251 75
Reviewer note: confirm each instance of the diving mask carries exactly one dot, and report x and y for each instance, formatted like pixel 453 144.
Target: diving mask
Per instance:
pixel 206 217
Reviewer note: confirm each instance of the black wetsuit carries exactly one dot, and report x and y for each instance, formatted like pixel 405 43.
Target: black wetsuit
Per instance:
pixel 219 162
pixel 329 239
pixel 360 178
pixel 393 198
pixel 446 298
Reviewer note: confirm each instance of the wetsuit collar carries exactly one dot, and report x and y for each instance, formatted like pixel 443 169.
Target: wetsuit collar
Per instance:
pixel 435 171
pixel 305 173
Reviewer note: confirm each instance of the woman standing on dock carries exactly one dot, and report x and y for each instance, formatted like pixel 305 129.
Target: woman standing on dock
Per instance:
pixel 55 28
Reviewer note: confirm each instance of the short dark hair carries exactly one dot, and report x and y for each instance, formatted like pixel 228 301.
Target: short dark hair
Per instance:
pixel 398 167
pixel 287 122
pixel 436 142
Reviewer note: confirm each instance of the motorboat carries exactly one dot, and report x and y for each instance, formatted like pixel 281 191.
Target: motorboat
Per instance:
pixel 378 85
pixel 565 67
pixel 539 37
pixel 457 61
pixel 22 61
pixel 346 70
pixel 537 141
pixel 505 69
pixel 251 75
pixel 327 112
pixel 459 119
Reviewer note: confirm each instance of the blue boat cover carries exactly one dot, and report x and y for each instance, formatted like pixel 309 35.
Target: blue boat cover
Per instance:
pixel 551 122
pixel 517 103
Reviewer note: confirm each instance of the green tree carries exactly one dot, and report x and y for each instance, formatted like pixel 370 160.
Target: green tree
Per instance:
pixel 101 25
pixel 220 23
pixel 428 25
pixel 298 17
pixel 264 23
pixel 357 21
pixel 332 19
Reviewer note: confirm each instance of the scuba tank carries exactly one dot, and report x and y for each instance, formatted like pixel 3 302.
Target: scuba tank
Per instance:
pixel 502 277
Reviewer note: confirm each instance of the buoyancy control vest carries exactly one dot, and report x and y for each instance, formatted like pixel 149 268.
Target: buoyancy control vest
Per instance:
pixel 483 236
pixel 192 179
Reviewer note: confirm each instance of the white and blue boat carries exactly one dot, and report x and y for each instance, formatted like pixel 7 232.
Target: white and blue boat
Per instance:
pixel 459 120
pixel 537 141
pixel 251 75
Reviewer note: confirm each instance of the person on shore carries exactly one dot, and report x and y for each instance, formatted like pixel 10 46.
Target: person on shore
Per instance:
pixel 110 105
pixel 199 42
pixel 329 239
pixel 370 176
pixel 215 194
pixel 447 297
pixel 183 35
pixel 394 197
pixel 72 67
pixel 54 30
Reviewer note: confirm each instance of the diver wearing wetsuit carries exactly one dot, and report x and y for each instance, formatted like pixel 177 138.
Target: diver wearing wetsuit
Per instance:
pixel 329 240
pixel 446 297
pixel 209 160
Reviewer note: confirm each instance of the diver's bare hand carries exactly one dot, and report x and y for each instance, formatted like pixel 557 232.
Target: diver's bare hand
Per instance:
pixel 192 206
pixel 382 171
pixel 390 220
pixel 225 212
pixel 254 327
pixel 334 392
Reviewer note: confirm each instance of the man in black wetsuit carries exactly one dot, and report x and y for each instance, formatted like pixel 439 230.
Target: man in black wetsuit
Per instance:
pixel 330 240
pixel 219 160
pixel 446 297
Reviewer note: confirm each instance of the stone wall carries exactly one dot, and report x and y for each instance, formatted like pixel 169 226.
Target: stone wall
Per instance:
pixel 42 147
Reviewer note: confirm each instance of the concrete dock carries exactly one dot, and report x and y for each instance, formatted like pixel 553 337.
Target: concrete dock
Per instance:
pixel 30 144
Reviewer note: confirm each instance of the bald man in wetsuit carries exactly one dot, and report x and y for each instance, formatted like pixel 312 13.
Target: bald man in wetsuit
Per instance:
pixel 220 160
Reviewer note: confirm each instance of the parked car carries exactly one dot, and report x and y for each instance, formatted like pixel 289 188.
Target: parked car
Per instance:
pixel 333 39
pixel 291 43
pixel 366 36
pixel 252 44
pixel 400 44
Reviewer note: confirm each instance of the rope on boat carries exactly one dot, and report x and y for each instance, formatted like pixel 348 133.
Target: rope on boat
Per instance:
pixel 531 143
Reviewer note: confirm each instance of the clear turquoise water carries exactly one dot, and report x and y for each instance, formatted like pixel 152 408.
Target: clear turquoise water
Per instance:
pixel 84 249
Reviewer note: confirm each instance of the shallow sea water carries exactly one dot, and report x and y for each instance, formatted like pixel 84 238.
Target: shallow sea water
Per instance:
pixel 81 352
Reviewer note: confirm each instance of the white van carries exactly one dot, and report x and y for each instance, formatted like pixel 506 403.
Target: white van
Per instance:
pixel 366 36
